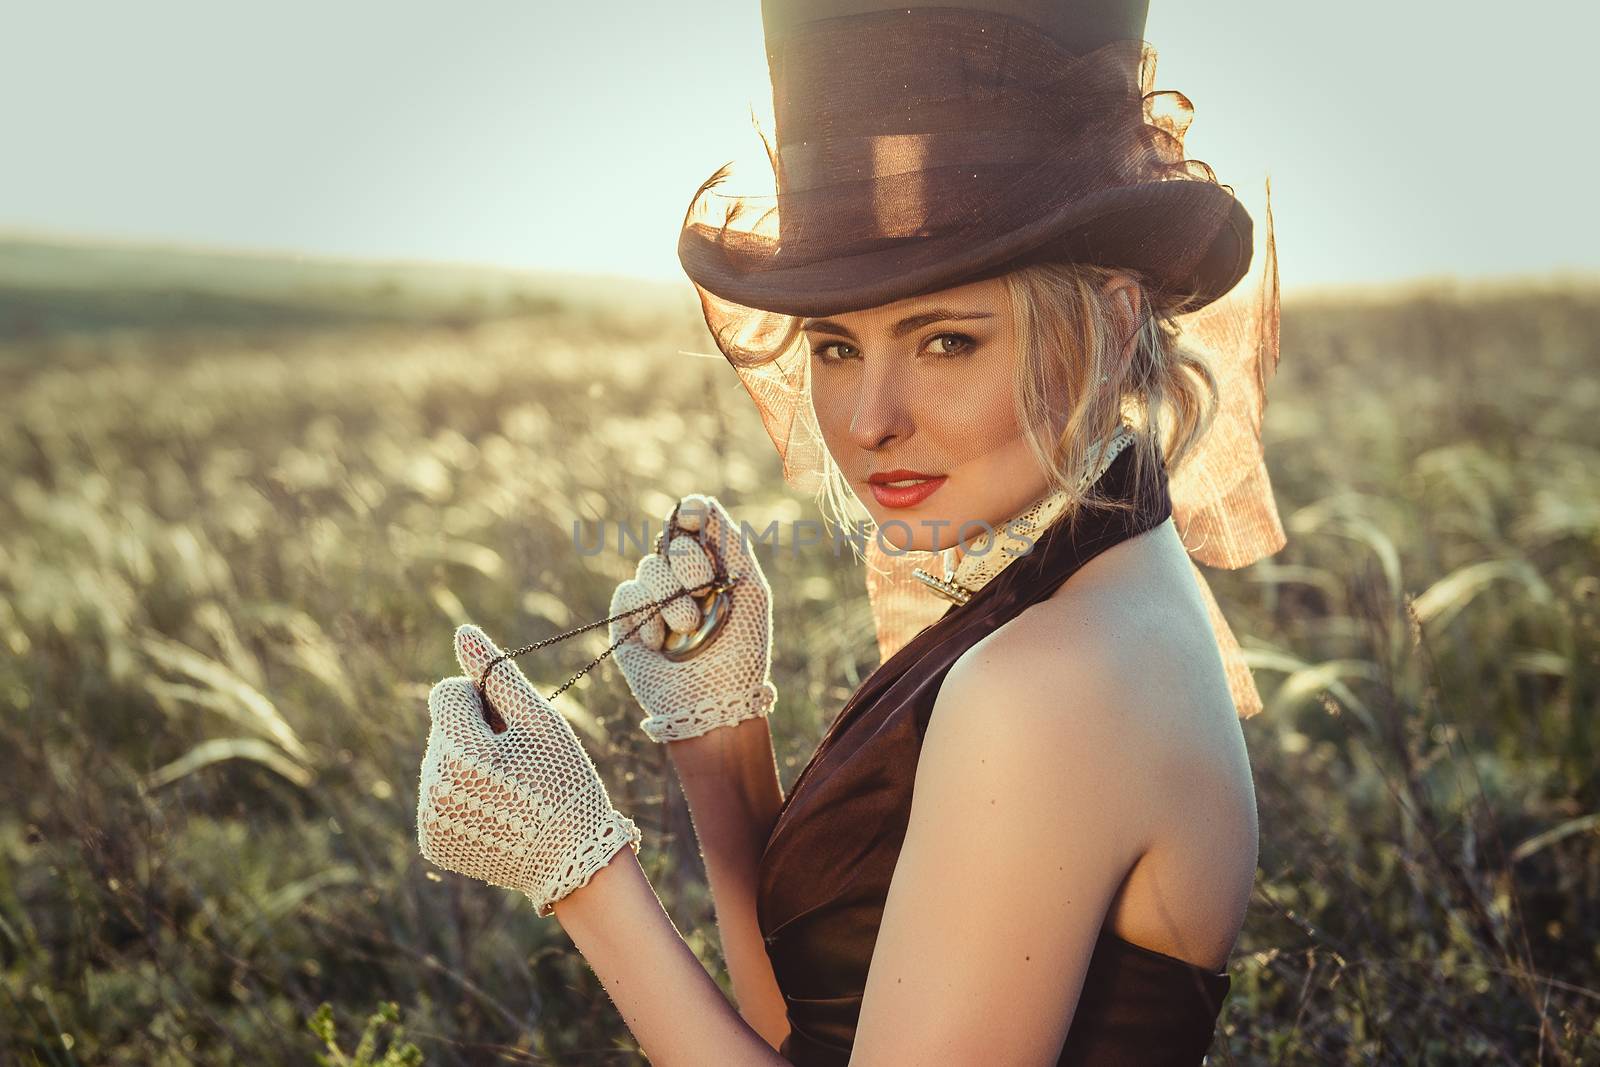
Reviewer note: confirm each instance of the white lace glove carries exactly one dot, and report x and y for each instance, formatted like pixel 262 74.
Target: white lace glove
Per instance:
pixel 523 808
pixel 730 680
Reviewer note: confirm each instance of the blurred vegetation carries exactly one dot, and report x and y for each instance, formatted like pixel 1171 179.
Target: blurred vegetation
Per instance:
pixel 398 1054
pixel 243 512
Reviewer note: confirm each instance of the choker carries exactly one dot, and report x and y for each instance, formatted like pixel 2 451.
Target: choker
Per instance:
pixel 993 550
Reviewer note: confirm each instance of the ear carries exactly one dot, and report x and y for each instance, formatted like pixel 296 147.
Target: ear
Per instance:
pixel 1126 298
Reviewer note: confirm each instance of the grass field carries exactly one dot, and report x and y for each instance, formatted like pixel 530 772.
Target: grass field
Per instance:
pixel 247 501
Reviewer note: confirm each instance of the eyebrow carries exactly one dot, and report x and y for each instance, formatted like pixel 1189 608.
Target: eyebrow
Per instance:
pixel 904 326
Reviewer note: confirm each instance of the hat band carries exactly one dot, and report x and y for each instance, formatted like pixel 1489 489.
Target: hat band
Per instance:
pixel 818 165
pixel 905 174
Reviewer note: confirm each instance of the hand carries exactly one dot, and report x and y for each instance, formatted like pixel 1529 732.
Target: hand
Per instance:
pixel 523 808
pixel 730 680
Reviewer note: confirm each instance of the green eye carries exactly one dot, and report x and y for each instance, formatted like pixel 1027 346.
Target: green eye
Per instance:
pixel 963 344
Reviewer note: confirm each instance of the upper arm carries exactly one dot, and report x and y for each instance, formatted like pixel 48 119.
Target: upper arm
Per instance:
pixel 1029 808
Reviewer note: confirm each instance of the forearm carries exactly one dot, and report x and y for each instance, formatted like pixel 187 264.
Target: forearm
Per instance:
pixel 738 755
pixel 675 1011
pixel 730 780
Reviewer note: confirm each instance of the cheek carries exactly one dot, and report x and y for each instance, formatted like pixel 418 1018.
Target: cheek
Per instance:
pixel 973 417
pixel 830 403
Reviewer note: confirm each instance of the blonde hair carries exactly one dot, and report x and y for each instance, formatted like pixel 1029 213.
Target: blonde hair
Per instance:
pixel 1073 384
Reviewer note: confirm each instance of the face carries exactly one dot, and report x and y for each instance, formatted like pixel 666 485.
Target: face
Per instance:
pixel 915 403
pixel 914 400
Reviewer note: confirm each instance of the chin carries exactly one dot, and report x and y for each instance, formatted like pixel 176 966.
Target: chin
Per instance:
pixel 930 530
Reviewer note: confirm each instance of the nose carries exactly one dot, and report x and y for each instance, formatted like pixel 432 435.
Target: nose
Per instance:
pixel 882 415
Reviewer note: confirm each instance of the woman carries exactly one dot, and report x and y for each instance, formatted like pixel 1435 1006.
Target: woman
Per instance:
pixel 1029 837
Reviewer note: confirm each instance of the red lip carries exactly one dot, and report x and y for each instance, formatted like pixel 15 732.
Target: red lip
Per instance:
pixel 904 496
pixel 898 475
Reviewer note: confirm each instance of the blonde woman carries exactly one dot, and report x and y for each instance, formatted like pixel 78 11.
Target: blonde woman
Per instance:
pixel 1029 837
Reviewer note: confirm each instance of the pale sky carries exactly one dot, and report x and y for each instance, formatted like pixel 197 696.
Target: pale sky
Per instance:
pixel 1402 137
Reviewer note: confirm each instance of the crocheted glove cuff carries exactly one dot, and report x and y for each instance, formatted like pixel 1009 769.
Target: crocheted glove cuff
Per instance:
pixel 724 710
pixel 594 852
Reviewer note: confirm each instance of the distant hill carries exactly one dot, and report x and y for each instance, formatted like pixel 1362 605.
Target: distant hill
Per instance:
pixel 54 285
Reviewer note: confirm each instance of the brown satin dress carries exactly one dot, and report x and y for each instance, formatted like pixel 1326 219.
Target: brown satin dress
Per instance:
pixel 824 876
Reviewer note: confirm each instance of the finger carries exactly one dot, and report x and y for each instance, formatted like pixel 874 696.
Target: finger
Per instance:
pixel 695 510
pixel 456 712
pixel 655 574
pixel 509 689
pixel 631 597
pixel 704 514
pixel 689 562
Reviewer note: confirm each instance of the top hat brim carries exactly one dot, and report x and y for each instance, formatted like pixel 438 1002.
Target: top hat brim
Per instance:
pixel 1159 229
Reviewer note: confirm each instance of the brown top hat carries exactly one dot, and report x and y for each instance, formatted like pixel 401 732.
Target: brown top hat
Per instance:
pixel 922 146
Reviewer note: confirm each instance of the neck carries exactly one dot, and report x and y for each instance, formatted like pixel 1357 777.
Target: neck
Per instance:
pixel 957 551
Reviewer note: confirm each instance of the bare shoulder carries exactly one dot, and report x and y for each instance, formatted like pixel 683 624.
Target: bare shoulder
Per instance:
pixel 1122 657
pixel 1128 637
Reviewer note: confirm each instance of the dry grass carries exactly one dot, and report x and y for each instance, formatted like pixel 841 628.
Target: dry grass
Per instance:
pixel 232 560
